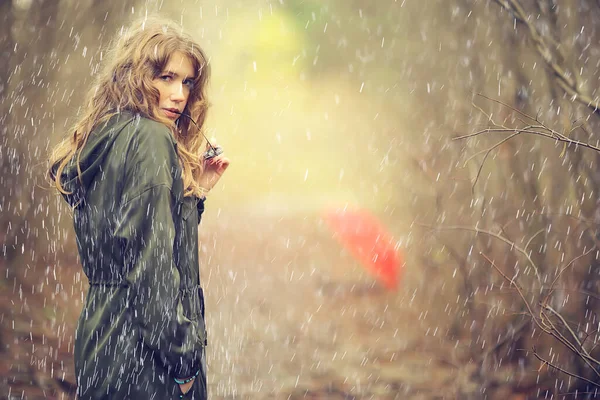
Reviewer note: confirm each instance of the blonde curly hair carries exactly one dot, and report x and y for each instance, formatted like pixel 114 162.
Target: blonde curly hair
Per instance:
pixel 136 57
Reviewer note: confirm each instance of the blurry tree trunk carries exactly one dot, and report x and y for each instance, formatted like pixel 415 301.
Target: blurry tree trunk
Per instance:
pixel 564 25
pixel 29 74
pixel 30 102
pixel 6 20
pixel 557 42
pixel 563 28
pixel 6 39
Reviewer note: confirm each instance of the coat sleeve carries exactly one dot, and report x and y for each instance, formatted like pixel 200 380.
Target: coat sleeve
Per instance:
pixel 147 230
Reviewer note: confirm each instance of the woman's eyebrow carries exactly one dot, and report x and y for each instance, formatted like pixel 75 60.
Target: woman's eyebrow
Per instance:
pixel 176 75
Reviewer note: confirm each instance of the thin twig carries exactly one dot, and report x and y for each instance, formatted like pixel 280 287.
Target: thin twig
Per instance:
pixel 552 330
pixel 508 106
pixel 533 237
pixel 487 153
pixel 564 371
pixel 499 237
pixel 581 351
pixel 515 284
pixel 551 134
pixel 563 270
pixel 489 116
pixel 563 77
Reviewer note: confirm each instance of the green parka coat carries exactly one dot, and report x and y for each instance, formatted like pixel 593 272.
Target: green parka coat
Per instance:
pixel 142 323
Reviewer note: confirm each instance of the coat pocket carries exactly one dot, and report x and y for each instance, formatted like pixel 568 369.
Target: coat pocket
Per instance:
pixel 188 205
pixel 192 206
pixel 193 305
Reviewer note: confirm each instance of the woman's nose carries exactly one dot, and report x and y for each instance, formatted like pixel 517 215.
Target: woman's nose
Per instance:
pixel 177 93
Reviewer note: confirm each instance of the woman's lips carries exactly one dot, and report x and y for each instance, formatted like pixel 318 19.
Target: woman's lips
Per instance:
pixel 170 113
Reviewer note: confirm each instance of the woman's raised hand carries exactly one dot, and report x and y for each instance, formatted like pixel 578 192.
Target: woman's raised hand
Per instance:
pixel 214 168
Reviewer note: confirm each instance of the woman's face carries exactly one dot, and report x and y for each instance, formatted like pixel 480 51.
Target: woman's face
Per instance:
pixel 174 84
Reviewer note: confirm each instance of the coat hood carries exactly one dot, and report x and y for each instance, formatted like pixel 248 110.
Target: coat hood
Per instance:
pixel 91 159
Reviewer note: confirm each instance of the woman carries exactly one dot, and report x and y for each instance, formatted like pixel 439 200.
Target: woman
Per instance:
pixel 132 172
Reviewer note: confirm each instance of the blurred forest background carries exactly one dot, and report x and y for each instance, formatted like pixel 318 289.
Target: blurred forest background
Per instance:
pixel 493 198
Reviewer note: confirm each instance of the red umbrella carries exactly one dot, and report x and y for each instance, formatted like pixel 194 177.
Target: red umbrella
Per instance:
pixel 368 241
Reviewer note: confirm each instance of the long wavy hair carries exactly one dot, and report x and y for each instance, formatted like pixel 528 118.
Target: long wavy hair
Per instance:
pixel 135 58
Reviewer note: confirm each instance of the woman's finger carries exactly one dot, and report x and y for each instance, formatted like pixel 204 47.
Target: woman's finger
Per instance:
pixel 218 159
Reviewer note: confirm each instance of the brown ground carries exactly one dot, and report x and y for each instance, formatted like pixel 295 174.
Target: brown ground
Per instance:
pixel 290 316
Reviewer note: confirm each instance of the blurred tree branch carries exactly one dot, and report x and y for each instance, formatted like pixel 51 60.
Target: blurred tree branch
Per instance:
pixel 544 321
pixel 539 129
pixel 545 317
pixel 547 49
pixel 6 17
pixel 498 236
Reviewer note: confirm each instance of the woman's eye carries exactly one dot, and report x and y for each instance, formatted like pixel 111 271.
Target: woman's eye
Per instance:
pixel 165 78
pixel 189 83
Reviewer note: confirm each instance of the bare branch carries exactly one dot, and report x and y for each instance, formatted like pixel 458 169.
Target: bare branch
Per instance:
pixel 508 106
pixel 581 351
pixel 499 237
pixel 545 301
pixel 487 153
pixel 564 371
pixel 515 284
pixel 564 78
pixel 533 237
